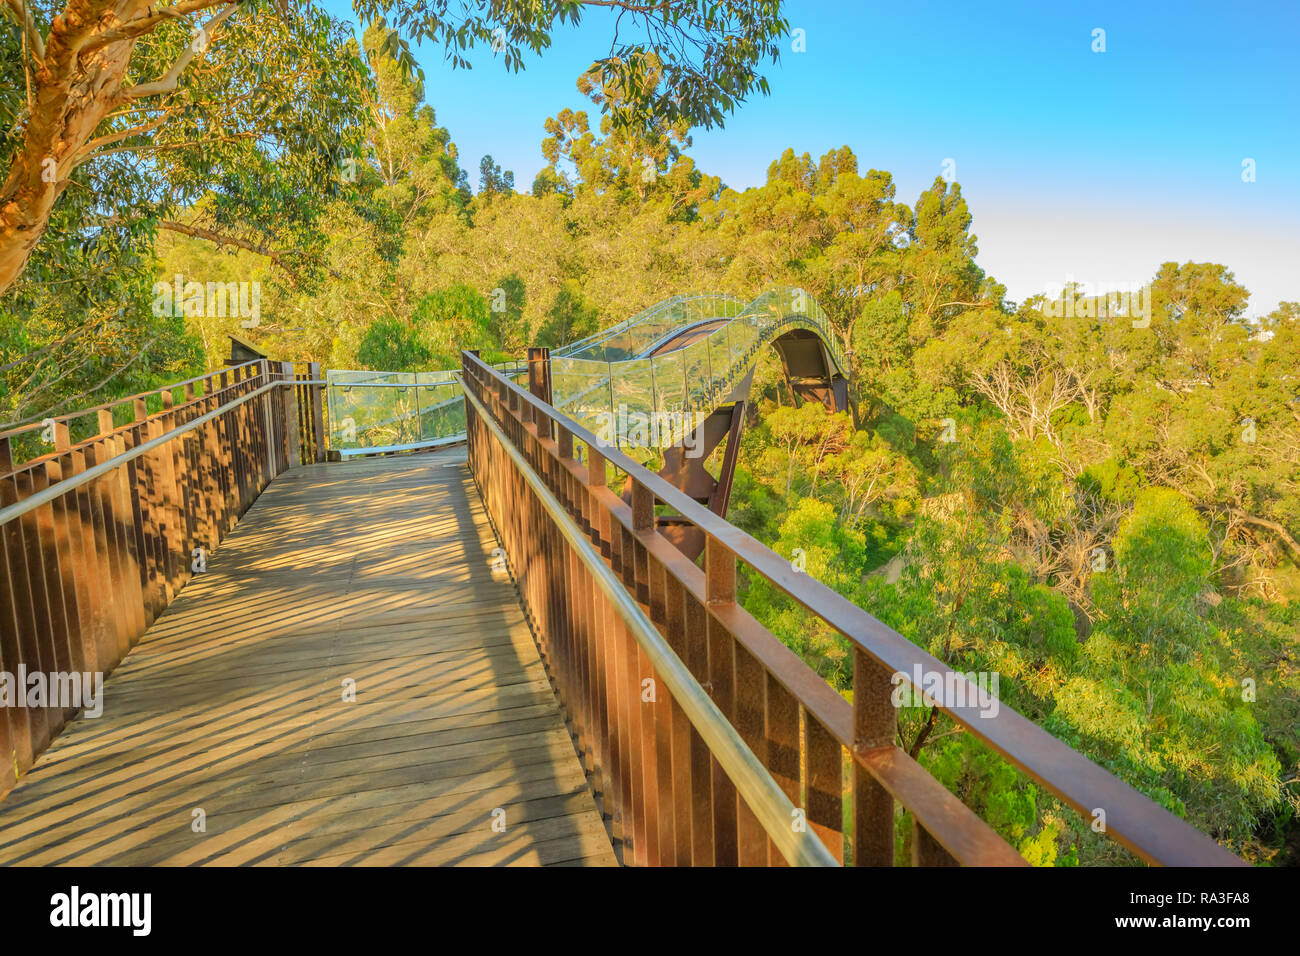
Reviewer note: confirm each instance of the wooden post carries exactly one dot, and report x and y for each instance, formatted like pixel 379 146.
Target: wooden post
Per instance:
pixel 17 725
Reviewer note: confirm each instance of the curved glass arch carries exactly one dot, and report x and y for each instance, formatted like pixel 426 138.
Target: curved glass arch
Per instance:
pixel 650 402
pixel 609 382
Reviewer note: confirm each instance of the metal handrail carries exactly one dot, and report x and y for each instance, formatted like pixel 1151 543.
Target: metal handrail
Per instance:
pixel 603 335
pixel 1132 818
pixel 761 793
pixel 57 490
pixel 34 424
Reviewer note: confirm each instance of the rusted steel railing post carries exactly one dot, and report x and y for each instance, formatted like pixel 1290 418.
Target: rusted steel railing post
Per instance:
pixel 289 418
pixel 539 373
pixel 539 377
pixel 875 722
pixel 642 687
pixel 720 588
pixel 317 399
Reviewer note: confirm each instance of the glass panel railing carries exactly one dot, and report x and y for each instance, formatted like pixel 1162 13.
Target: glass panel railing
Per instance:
pixel 633 404
pixel 608 382
pixel 695 359
pixel 439 406
pixel 670 381
pixel 370 409
pixel 581 389
pixel 631 338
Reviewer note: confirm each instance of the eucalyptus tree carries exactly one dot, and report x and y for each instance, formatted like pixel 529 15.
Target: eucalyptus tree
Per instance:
pixel 244 124
pixel 201 85
pixel 223 122
pixel 130 111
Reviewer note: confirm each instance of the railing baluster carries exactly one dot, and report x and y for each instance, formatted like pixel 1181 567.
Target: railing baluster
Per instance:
pixel 116 636
pixel 824 784
pixel 701 762
pixel 644 680
pixel 90 565
pixel 661 726
pixel 875 722
pixel 52 528
pixel 130 531
pixel 749 686
pixel 720 581
pixel 679 727
pixel 317 398
pixel 180 538
pixel 88 568
pixel 25 727
pixel 143 488
pixel 620 740
pixel 781 728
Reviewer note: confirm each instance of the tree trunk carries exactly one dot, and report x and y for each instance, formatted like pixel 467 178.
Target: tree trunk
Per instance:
pixel 72 94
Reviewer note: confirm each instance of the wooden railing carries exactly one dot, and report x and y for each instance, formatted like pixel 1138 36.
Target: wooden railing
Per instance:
pixel 676 798
pixel 99 532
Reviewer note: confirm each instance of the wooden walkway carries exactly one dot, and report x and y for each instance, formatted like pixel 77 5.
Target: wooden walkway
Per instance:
pixel 230 712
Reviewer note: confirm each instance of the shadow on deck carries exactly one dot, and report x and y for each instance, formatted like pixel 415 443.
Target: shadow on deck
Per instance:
pixel 226 737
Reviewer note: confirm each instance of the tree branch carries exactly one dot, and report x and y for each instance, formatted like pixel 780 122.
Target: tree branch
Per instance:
pixel 36 46
pixel 276 257
pixel 117 137
pixel 160 147
pixel 142 25
pixel 167 82
pixel 63 403
pixel 924 733
pixel 1273 526
pixel 198 232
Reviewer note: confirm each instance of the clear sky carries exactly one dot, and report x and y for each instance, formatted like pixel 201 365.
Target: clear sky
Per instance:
pixel 1095 166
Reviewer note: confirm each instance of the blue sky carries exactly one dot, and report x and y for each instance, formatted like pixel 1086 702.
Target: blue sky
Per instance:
pixel 1095 166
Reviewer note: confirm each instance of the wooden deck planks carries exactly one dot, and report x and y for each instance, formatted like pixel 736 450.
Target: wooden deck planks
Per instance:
pixel 371 571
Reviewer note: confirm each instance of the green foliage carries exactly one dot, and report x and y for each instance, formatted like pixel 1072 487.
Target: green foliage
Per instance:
pixel 1175 717
pixel 247 147
pixel 693 62
pixel 1112 479
pixel 833 554
pixel 392 345
pixel 1098 531
pixel 1163 558
pixel 492 181
pixel 452 319
pixel 569 318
